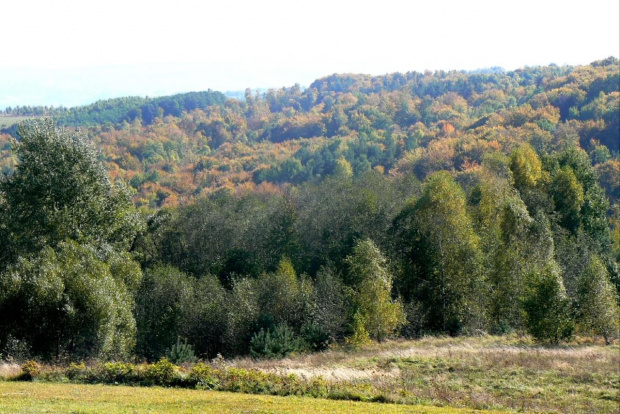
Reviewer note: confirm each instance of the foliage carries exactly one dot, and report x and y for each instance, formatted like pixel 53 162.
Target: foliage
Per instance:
pixel 598 302
pixel 548 308
pixel 67 301
pixel 181 352
pixel 30 370
pixel 359 335
pixel 276 343
pixel 329 305
pixel 401 123
pixel 171 305
pixel 163 372
pixel 109 372
pixel 436 202
pixel 60 190
pixel 526 167
pixel 379 315
pixel 444 256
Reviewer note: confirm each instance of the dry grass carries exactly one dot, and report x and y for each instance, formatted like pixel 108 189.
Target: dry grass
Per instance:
pixel 506 373
pixel 8 370
pixel 484 372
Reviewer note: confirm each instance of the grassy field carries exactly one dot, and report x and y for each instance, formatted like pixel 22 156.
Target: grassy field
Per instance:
pixel 8 120
pixel 37 397
pixel 509 374
pixel 484 373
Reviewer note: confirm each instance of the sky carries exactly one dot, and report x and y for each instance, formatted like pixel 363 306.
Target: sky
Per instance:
pixel 73 52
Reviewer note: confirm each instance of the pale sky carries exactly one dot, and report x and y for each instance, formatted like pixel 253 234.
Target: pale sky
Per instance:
pixel 74 52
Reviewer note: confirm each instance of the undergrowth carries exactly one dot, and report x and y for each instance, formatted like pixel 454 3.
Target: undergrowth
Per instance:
pixel 201 376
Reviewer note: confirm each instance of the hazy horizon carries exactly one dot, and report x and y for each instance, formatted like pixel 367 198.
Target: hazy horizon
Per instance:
pixel 75 52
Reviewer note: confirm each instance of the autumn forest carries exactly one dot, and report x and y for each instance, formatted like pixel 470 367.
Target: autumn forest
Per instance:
pixel 358 209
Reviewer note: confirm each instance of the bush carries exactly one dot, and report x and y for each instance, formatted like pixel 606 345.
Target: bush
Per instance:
pixel 79 372
pixel 117 372
pixel 205 377
pixel 30 370
pixel 318 388
pixel 162 373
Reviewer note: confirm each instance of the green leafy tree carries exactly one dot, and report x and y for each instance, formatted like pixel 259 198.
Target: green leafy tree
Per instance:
pixel 446 256
pixel 598 301
pixel 284 297
pixel 67 301
pixel 548 307
pixel 568 197
pixel 329 304
pixel 172 305
pixel 60 190
pixel 243 313
pixel 526 167
pixel 368 271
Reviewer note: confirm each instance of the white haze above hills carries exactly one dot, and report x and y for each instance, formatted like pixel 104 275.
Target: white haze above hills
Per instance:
pixel 71 52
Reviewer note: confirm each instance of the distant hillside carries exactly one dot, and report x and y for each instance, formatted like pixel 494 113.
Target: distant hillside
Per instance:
pixel 128 109
pixel 399 123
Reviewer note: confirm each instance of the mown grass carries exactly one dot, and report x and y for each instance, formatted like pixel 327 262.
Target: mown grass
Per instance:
pixel 39 397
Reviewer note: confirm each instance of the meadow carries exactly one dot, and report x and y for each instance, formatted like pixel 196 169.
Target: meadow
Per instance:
pixel 38 397
pixel 507 374
pixel 6 121
pixel 489 372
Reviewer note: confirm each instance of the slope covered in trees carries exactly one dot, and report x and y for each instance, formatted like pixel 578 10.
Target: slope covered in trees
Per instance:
pixel 359 208
pixel 115 111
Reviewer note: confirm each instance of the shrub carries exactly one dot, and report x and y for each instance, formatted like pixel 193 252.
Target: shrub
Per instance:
pixel 79 372
pixel 203 376
pixel 163 372
pixel 30 370
pixel 117 372
pixel 318 388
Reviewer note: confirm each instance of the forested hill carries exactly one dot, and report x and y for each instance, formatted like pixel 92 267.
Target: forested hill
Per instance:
pixel 173 148
pixel 363 207
pixel 116 111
